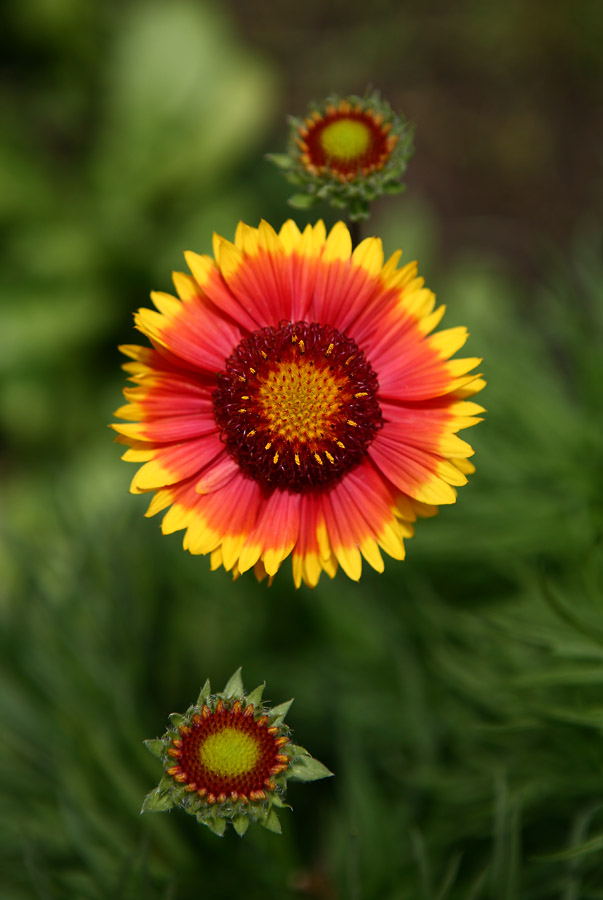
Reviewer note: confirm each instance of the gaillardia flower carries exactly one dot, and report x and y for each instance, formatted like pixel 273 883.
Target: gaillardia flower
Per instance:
pixel 228 759
pixel 348 152
pixel 294 401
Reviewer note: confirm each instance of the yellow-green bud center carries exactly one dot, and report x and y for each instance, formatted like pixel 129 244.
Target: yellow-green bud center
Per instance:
pixel 345 139
pixel 230 752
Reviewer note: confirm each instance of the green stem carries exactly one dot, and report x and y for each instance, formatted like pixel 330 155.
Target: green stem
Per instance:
pixel 355 232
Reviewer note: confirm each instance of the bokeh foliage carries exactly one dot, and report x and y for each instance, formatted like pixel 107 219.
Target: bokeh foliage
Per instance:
pixel 456 697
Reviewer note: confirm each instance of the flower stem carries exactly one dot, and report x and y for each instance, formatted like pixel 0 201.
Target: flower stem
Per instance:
pixel 356 233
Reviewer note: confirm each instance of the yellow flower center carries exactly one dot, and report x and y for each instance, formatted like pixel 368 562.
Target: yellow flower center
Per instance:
pixel 229 752
pixel 300 401
pixel 297 406
pixel 345 139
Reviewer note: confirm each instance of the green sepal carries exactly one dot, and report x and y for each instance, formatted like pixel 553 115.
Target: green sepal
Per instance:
pixel 215 823
pixel 277 713
pixel 177 720
pixel 256 694
pixel 282 160
pixel 394 187
pixel 154 746
pixel 240 824
pixel 336 202
pixel 280 803
pixel 157 801
pixel 204 695
pixel 301 201
pixel 234 685
pixel 272 823
pixel 297 750
pixel 166 783
pixel 305 768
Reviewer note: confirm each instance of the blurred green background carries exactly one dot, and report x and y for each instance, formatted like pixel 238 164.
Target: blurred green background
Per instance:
pixel 458 697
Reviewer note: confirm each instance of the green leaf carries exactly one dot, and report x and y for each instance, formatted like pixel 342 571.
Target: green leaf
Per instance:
pixel 278 713
pixel 301 201
pixel 240 824
pixel 594 845
pixel 234 685
pixel 282 160
pixel 591 716
pixel 271 822
pixel 154 746
pixel 255 696
pixel 204 695
pixel 157 801
pixel 306 768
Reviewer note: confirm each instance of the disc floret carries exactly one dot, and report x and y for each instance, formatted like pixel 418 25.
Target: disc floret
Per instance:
pixel 228 759
pixel 297 406
pixel 347 151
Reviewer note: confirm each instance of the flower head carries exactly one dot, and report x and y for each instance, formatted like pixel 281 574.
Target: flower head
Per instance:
pixel 294 401
pixel 348 152
pixel 228 759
